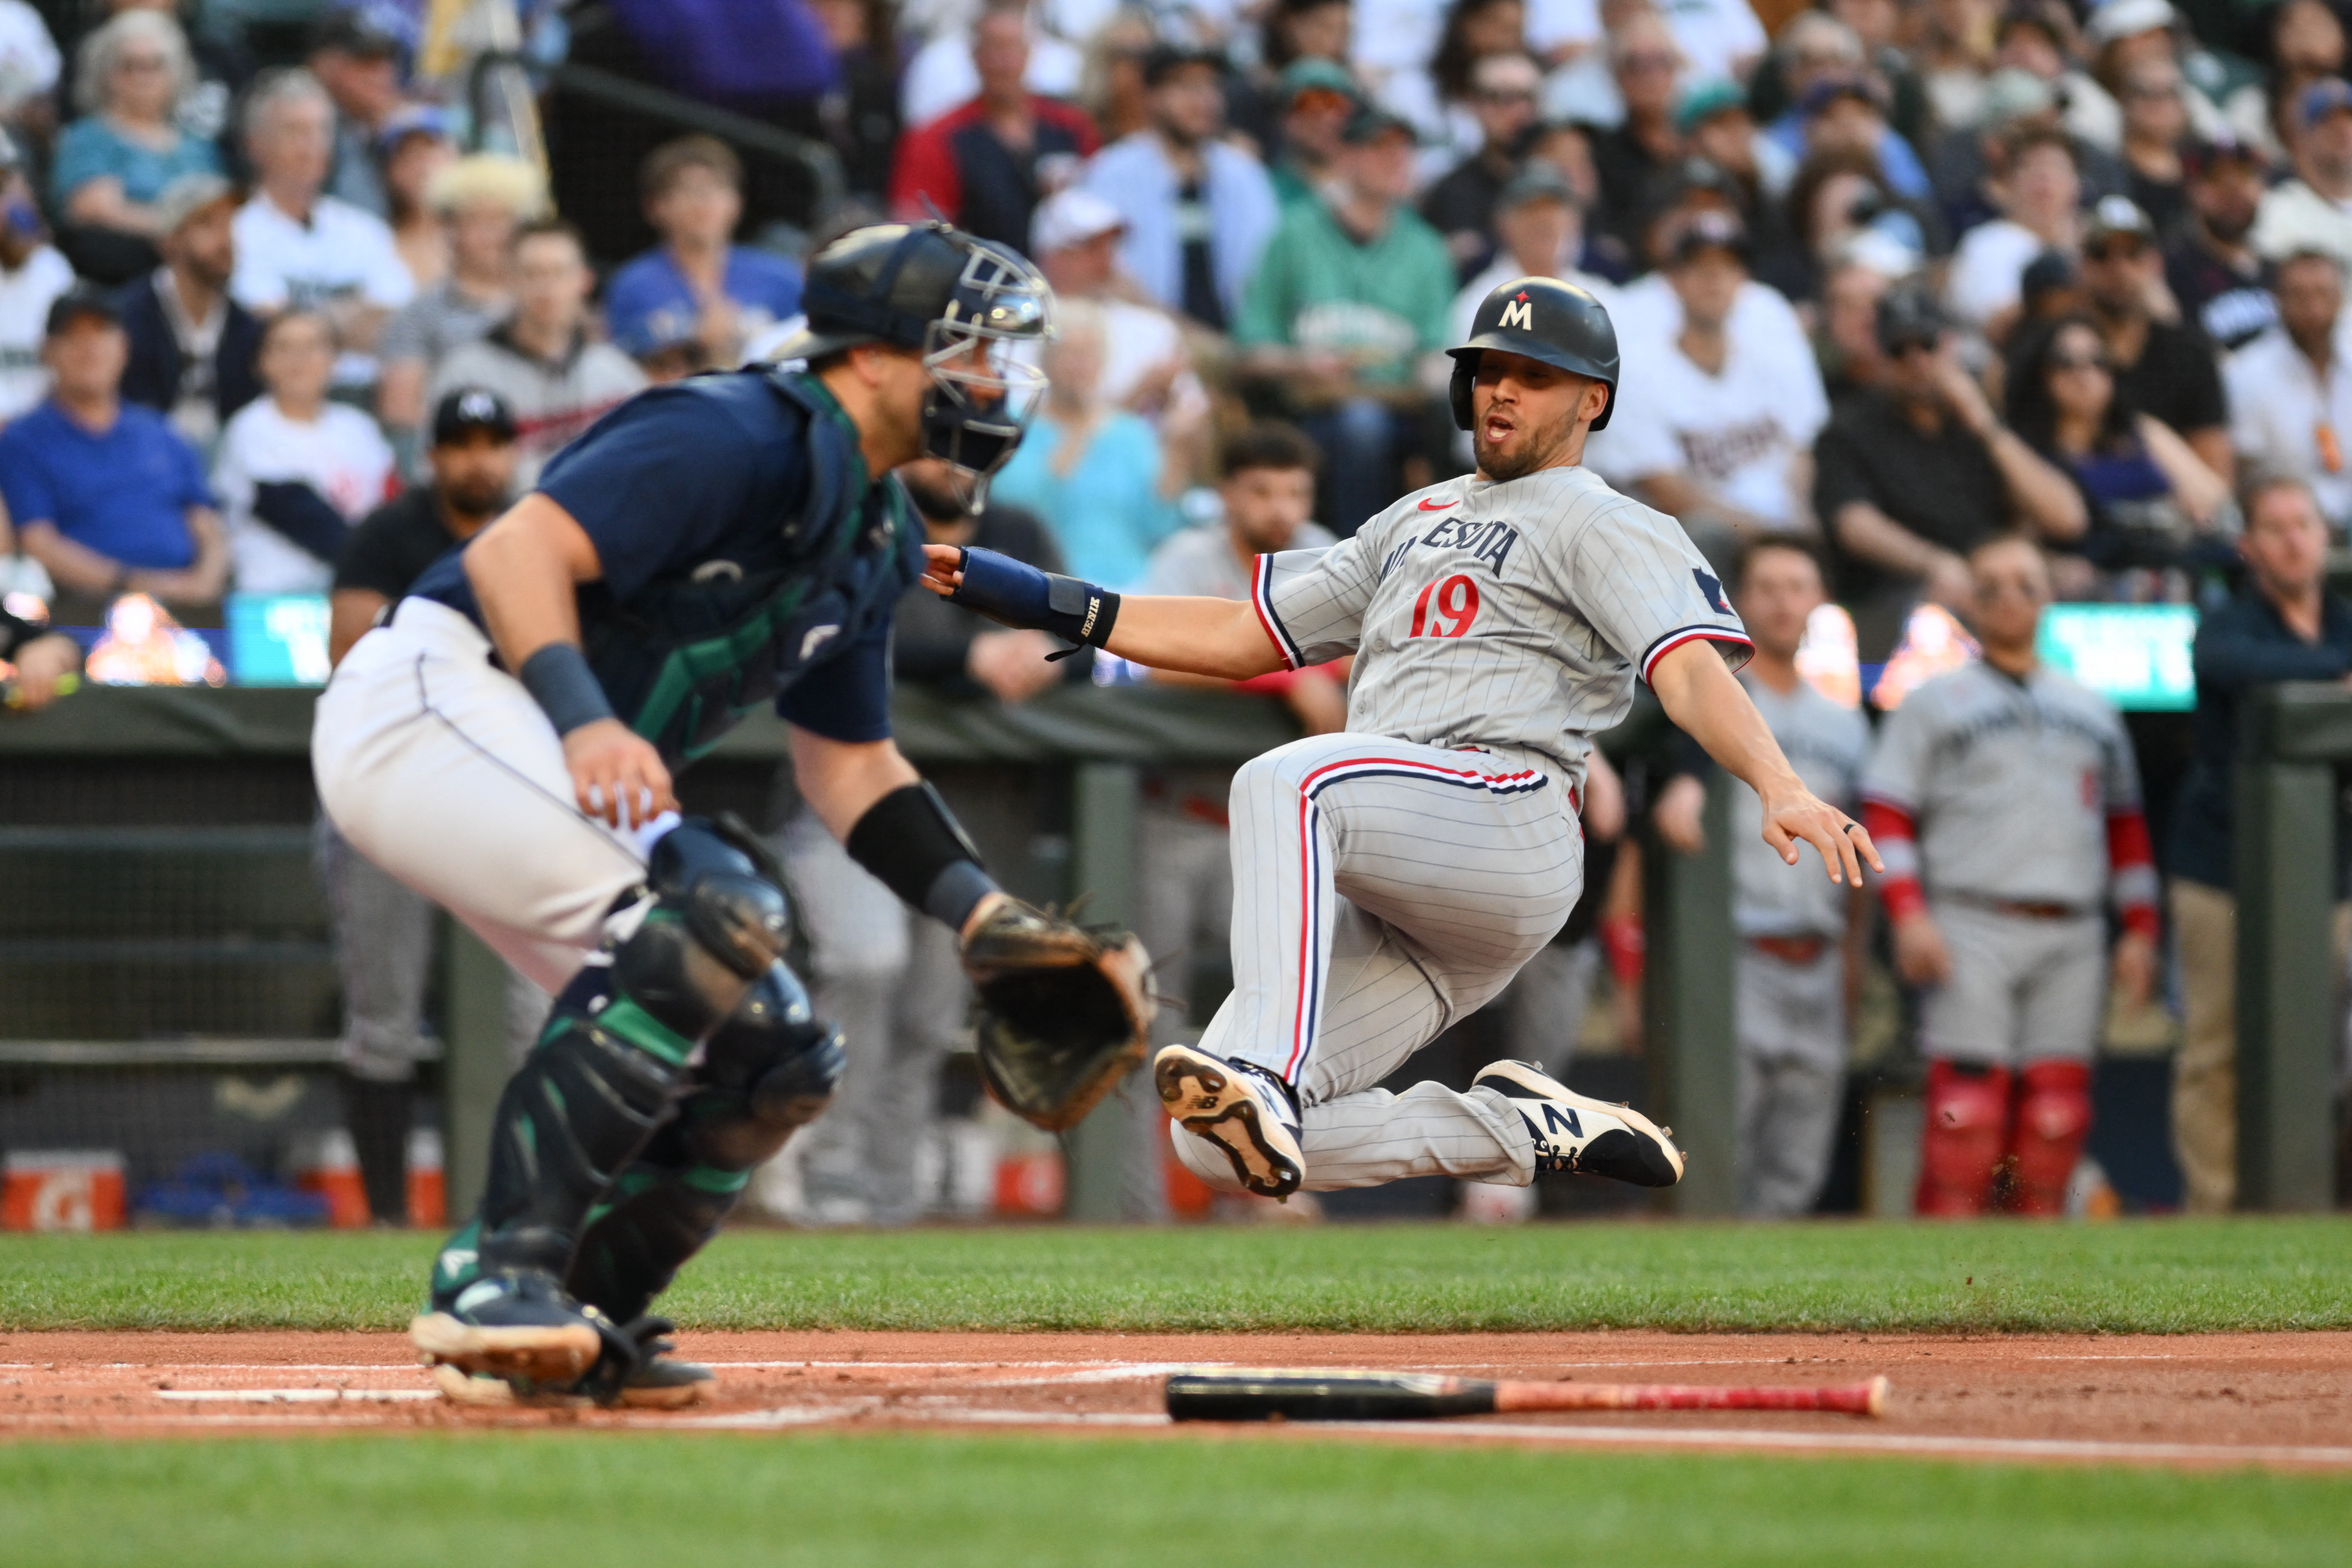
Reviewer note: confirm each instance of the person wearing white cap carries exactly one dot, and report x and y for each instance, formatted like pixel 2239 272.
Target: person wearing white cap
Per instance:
pixel 1147 367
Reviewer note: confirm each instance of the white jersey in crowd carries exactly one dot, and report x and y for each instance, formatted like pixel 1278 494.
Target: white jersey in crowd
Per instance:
pixel 26 295
pixel 1763 328
pixel 340 454
pixel 2010 781
pixel 1511 615
pixel 1199 563
pixel 1737 434
pixel 2284 414
pixel 341 253
pixel 1828 746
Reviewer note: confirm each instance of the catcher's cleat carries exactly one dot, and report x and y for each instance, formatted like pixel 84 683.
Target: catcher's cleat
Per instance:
pixel 1242 1110
pixel 661 1382
pixel 520 1327
pixel 1576 1132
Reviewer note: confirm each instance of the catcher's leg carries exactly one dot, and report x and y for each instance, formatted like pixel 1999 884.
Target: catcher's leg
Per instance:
pixel 2062 1002
pixel 1968 1120
pixel 606 1074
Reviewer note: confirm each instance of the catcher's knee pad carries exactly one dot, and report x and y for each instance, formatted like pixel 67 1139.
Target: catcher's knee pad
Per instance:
pixel 769 1070
pixel 715 924
pixel 2054 1117
pixel 1967 1121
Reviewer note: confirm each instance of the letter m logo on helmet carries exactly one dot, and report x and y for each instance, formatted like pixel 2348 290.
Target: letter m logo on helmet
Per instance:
pixel 1519 313
pixel 1572 332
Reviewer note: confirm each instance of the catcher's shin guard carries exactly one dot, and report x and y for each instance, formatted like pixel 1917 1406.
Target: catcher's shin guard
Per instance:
pixel 2045 1139
pixel 1968 1120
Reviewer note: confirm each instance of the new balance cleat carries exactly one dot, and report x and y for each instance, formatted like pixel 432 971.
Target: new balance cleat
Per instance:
pixel 1576 1132
pixel 1242 1111
pixel 520 1327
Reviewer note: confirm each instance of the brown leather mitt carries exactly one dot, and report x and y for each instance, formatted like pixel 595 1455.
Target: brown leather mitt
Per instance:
pixel 1063 1012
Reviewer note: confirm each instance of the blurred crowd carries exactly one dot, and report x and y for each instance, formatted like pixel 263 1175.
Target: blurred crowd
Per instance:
pixel 1895 282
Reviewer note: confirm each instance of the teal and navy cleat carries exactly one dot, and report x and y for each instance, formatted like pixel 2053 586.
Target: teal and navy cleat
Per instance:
pixel 520 1328
pixel 658 1380
pixel 1576 1132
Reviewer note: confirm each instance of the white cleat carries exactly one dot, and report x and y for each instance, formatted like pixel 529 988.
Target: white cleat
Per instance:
pixel 1236 1111
pixel 1576 1132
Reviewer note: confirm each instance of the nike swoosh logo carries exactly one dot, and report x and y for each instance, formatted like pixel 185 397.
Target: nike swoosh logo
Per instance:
pixel 1438 506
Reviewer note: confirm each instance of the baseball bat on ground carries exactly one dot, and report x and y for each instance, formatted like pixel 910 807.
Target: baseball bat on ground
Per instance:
pixel 1308 1393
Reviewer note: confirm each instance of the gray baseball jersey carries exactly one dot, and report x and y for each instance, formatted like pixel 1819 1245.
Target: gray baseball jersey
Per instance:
pixel 1510 614
pixel 2009 783
pixel 1827 745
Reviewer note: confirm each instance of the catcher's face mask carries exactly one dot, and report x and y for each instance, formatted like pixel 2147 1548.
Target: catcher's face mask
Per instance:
pixel 985 387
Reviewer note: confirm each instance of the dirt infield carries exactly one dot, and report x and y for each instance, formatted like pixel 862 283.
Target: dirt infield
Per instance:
pixel 2220 1399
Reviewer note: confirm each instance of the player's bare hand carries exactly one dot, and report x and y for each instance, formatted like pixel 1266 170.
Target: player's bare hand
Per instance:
pixel 1680 814
pixel 616 775
pixel 1319 703
pixel 943 568
pixel 1011 664
pixel 1794 814
pixel 40 665
pixel 1920 955
pixel 2136 965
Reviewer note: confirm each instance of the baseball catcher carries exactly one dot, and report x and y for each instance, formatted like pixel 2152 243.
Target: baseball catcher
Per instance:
pixel 505 741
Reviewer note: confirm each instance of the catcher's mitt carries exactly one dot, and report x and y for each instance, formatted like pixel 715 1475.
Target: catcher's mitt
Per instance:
pixel 1063 1012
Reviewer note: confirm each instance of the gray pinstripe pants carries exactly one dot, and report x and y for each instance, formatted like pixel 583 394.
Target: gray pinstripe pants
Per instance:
pixel 1381 890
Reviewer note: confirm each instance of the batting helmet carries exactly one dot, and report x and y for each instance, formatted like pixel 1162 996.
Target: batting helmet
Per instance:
pixel 1544 320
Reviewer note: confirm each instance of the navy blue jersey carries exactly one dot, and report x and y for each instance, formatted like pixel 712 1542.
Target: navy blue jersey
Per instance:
pixel 747 555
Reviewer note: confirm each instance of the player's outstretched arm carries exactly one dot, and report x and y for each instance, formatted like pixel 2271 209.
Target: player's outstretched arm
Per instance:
pixel 1701 695
pixel 1220 638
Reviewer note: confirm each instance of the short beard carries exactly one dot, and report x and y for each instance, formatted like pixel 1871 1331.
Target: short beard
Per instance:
pixel 1537 451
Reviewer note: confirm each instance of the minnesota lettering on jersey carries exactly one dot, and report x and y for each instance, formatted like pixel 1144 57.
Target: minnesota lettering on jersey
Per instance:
pixel 1489 541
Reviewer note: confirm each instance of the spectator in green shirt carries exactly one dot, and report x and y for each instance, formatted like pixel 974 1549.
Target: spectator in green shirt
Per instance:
pixel 1349 295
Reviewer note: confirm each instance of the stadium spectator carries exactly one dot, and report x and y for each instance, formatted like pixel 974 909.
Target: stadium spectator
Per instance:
pixel 2155 98
pixel 1352 290
pixel 191 347
pixel 1317 99
pixel 1197 209
pixel 298 248
pixel 2305 45
pixel 986 164
pixel 1850 112
pixel 1461 204
pixel 860 115
pixel 103 494
pixel 415 148
pixel 297 471
pixel 358 62
pixel 1763 326
pixel 2214 273
pixel 945 72
pixel 29 64
pixel 1291 33
pixel 2039 38
pixel 32 275
pixel 2315 207
pixel 1098 476
pixel 1716 433
pixel 114 162
pixel 2151 498
pixel 1147 367
pixel 2005 799
pixel 2041 191
pixel 1847 343
pixel 1953 45
pixel 1537 219
pixel 384 932
pixel 1909 477
pixel 697 287
pixel 1632 157
pixel 39 659
pixel 2290 390
pixel 541 360
pixel 1968 168
pixel 480 201
pixel 2163 367
pixel 2284 625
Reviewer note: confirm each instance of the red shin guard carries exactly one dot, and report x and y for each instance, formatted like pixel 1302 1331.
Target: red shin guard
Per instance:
pixel 1967 1121
pixel 2054 1117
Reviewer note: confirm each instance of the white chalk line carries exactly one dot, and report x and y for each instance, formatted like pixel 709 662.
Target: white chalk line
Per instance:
pixel 298 1395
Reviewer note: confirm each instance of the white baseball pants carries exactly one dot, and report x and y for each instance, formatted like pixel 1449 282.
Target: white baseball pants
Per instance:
pixel 441 770
pixel 1382 890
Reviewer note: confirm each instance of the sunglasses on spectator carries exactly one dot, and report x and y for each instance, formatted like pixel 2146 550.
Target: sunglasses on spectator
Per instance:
pixel 1321 100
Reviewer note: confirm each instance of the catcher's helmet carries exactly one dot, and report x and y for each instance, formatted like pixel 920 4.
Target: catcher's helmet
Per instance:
pixel 1544 320
pixel 962 302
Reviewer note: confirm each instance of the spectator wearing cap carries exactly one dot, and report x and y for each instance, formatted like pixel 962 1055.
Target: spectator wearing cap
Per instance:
pixel 1147 367
pixel 191 346
pixel 32 275
pixel 1315 98
pixel 1461 204
pixel 384 932
pixel 1538 228
pixel 1647 312
pixel 2041 193
pixel 104 494
pixel 541 360
pixel 112 163
pixel 413 148
pixel 1352 292
pixel 358 62
pixel 299 248
pixel 2290 390
pixel 1715 123
pixel 1850 111
pixel 2315 207
pixel 1717 434
pixel 1290 33
pixel 295 471
pixel 1911 476
pixel 1635 155
pixel 1197 210
pixel 697 287
pixel 2305 41
pixel 984 165
pixel 2040 36
pixel 480 202
pixel 2215 274
pixel 2163 366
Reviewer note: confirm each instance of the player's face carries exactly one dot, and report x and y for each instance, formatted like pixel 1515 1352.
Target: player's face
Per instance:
pixel 1778 591
pixel 1264 507
pixel 2013 586
pixel 1525 414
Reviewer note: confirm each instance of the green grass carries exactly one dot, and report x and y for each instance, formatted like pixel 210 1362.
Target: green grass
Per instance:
pixel 2137 1277
pixel 893 1499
